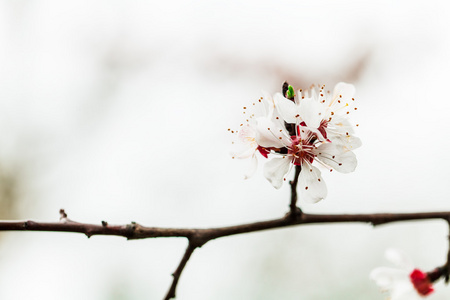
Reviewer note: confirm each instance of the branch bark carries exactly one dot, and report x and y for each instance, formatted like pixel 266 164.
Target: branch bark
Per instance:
pixel 176 275
pixel 295 210
pixel 202 235
pixel 197 237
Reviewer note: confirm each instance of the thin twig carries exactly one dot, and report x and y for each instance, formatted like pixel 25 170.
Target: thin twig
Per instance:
pixel 447 265
pixel 176 275
pixel 294 209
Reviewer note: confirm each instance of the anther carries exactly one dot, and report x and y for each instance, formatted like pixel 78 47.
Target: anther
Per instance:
pixel 306 187
pixel 340 164
pixel 318 179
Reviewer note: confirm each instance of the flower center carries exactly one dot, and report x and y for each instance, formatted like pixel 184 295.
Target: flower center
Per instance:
pixel 300 152
pixel 421 282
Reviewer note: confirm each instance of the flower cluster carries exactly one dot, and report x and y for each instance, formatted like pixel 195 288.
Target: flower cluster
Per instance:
pixel 300 129
pixel 404 282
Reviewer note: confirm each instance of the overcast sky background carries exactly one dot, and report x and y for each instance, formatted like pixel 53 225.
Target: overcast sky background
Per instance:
pixel 119 111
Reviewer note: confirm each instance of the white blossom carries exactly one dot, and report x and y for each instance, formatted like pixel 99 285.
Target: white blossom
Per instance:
pixel 403 282
pixel 308 129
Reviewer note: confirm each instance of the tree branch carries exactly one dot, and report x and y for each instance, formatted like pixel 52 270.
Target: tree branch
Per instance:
pixel 199 236
pixel 176 275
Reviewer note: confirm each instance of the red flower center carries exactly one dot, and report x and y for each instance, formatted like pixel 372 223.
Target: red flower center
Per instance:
pixel 300 152
pixel 421 282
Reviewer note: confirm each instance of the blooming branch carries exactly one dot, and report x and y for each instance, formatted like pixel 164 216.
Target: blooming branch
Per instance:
pixel 293 130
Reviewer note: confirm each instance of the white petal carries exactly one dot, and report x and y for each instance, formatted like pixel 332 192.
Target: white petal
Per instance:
pixel 269 104
pixel 338 158
pixel 311 112
pixel 243 152
pixel 341 125
pixel 298 97
pixel 247 133
pixel 399 258
pixel 270 134
pixel 287 108
pixel 347 142
pixel 404 291
pixel 311 186
pixel 388 278
pixel 252 168
pixel 275 170
pixel 346 90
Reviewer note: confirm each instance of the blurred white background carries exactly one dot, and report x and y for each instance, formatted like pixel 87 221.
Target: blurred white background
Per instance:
pixel 119 111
